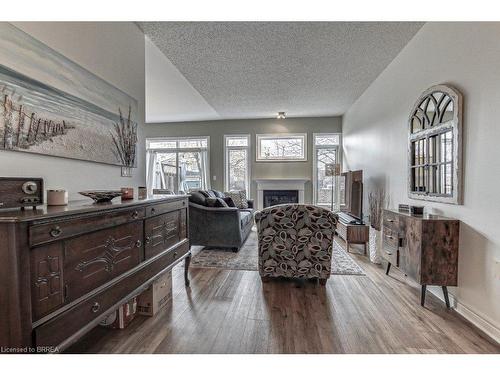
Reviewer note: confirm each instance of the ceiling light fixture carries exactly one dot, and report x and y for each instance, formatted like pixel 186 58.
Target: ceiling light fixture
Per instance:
pixel 281 115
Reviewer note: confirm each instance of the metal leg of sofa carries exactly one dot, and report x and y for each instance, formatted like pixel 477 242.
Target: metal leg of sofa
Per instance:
pixel 235 249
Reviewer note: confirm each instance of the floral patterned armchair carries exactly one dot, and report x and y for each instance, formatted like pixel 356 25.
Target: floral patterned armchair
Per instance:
pixel 295 240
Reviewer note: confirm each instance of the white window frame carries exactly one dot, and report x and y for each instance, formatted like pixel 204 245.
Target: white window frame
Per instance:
pixel 178 150
pixel 226 158
pixel 259 137
pixel 315 166
pixel 183 138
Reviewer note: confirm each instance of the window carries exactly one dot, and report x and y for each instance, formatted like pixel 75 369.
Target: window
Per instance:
pixel 281 147
pixel 177 164
pixel 237 163
pixel 325 156
pixel 434 160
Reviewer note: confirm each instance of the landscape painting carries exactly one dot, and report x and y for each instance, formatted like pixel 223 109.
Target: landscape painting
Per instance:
pixel 53 106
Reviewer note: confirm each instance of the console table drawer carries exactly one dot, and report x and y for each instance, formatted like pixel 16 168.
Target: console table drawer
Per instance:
pixel 163 208
pixel 92 310
pixel 341 230
pixel 59 229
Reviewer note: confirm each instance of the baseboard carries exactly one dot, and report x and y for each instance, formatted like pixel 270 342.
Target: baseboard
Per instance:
pixel 488 328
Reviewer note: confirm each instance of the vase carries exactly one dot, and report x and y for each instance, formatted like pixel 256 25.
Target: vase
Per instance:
pixel 375 245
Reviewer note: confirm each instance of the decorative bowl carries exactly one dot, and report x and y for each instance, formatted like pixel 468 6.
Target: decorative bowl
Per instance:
pixel 101 196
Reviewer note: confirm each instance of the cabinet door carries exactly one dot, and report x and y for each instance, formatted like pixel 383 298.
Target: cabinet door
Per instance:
pixel 46 279
pixel 411 250
pixel 440 242
pixel 164 231
pixel 95 258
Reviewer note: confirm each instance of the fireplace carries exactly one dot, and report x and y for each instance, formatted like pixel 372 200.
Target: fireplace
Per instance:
pixel 274 197
pixel 279 184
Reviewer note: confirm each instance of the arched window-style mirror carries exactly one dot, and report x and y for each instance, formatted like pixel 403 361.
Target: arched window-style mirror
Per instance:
pixel 435 146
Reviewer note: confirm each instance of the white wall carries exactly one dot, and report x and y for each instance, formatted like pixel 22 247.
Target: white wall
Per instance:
pixel 113 51
pixel 466 55
pixel 170 96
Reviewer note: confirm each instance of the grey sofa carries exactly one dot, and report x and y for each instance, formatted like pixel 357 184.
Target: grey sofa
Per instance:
pixel 218 226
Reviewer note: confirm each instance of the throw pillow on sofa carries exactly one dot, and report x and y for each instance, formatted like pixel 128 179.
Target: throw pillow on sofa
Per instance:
pixel 198 198
pixel 208 193
pixel 218 194
pixel 216 202
pixel 229 201
pixel 239 198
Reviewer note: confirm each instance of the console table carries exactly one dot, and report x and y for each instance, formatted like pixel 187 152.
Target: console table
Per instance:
pixel 424 247
pixel 353 233
pixel 63 269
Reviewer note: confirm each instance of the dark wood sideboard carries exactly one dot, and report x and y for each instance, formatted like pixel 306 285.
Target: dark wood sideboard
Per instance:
pixel 424 247
pixel 63 269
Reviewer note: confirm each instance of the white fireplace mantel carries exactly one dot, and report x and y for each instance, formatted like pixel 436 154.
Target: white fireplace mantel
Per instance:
pixel 279 184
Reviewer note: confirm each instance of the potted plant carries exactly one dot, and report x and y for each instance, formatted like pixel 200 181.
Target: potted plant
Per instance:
pixel 376 200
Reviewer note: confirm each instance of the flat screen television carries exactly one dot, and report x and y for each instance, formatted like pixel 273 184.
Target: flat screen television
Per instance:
pixel 351 193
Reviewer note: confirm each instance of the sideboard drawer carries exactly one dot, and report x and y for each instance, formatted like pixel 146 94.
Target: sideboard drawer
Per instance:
pixel 390 249
pixel 390 220
pixel 95 258
pixel 178 252
pixel 390 237
pixel 60 229
pixel 162 208
pixel 390 254
pixel 93 309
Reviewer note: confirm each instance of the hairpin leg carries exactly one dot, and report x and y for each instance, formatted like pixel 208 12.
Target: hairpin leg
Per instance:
pixel 446 298
pixel 422 295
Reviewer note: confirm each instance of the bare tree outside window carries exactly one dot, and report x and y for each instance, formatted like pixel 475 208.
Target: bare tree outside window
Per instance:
pixel 281 147
pixel 325 184
pixel 237 164
pixel 237 159
pixel 325 148
pixel 180 164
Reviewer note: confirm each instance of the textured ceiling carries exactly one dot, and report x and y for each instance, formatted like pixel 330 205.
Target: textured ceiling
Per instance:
pixel 255 69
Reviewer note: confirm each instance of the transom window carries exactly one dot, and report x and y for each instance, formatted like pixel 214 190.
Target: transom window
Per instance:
pixel 237 162
pixel 434 160
pixel 282 147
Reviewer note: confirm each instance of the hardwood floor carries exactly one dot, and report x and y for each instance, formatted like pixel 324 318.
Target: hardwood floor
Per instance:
pixel 228 311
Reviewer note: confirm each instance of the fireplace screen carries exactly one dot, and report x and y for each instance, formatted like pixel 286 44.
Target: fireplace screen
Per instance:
pixel 274 197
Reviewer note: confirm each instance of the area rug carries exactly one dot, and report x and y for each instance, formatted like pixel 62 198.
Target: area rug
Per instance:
pixel 247 258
